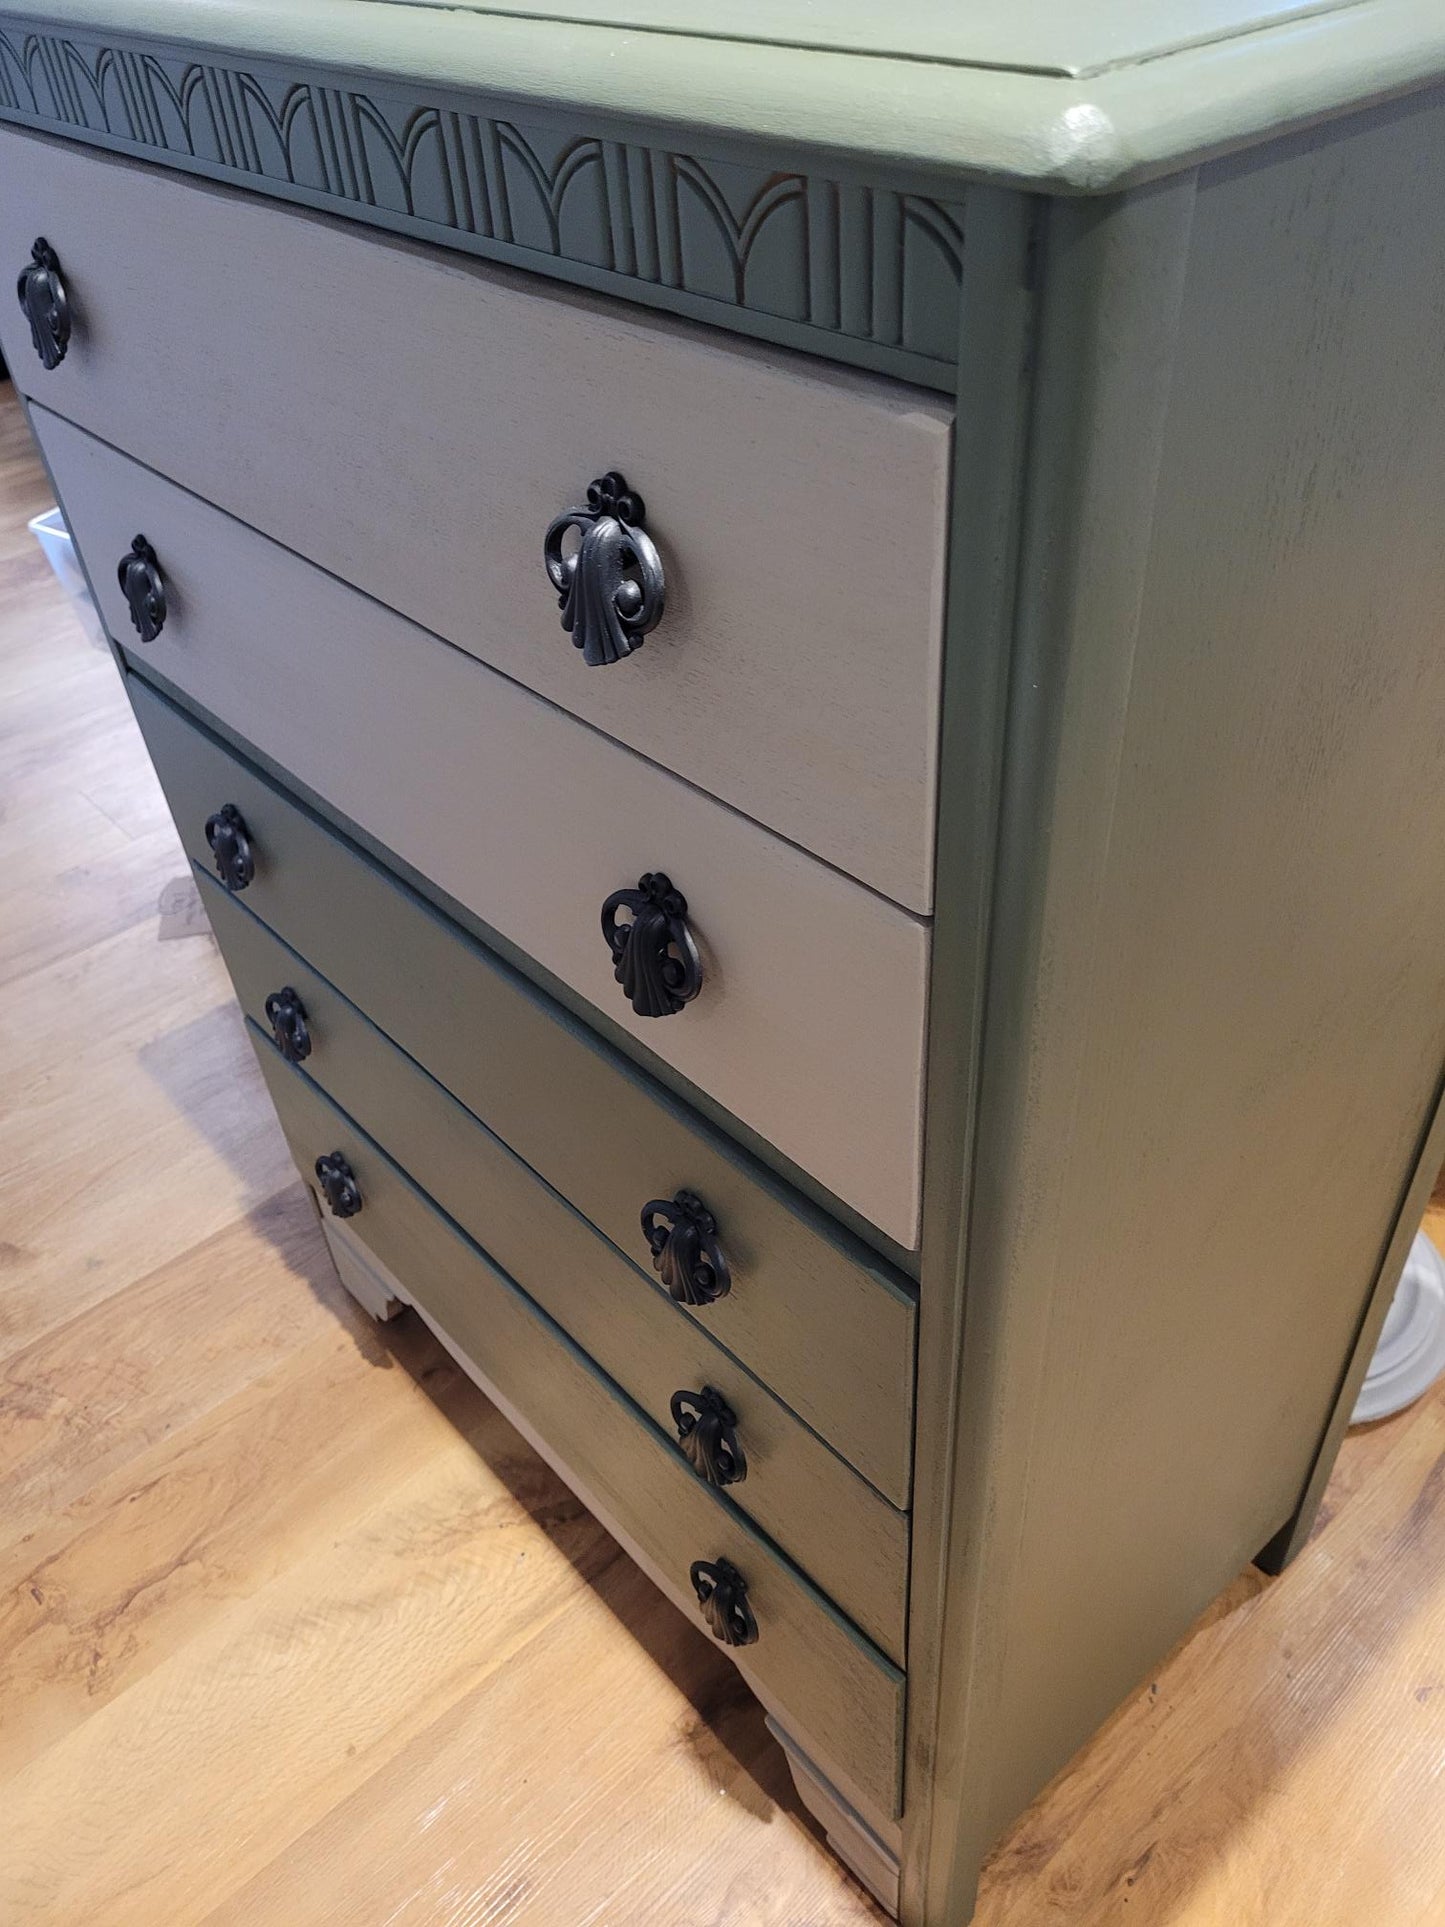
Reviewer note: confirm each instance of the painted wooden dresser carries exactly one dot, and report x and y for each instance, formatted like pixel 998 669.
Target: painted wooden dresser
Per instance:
pixel 800 658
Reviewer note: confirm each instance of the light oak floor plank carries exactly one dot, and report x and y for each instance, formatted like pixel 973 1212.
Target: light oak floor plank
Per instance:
pixel 1288 1763
pixel 295 1630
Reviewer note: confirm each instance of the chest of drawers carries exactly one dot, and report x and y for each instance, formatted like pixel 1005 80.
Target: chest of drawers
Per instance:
pixel 799 669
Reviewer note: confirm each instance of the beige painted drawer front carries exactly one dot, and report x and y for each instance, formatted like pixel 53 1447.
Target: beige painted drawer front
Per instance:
pixel 837 1688
pixel 833 1525
pixel 810 1023
pixel 590 1124
pixel 414 421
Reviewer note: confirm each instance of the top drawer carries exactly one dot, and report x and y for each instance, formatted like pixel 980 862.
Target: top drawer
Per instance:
pixel 413 422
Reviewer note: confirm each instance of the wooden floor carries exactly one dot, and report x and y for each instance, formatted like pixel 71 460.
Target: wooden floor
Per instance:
pixel 295 1630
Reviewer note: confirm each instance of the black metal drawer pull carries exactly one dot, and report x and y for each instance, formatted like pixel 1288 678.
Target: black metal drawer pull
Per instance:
pixel 144 588
pixel 707 1432
pixel 230 843
pixel 338 1185
pixel 286 1015
pixel 654 957
pixel 611 587
pixel 45 303
pixel 722 1592
pixel 681 1234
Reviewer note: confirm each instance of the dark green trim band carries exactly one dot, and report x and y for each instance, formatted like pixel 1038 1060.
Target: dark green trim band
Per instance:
pixel 855 271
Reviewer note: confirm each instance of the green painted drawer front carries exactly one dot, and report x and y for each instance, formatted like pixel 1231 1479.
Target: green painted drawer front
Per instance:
pixel 810 1311
pixel 823 1515
pixel 842 1692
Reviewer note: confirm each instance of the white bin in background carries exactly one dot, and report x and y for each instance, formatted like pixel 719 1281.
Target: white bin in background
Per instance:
pixel 53 536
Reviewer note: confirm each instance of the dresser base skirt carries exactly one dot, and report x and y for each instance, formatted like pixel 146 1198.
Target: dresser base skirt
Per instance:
pixel 377 1290
pixel 873 1858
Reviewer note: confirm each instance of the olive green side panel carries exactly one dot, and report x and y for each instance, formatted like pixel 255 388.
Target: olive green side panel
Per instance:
pixel 1214 1033
pixel 842 1692
pixel 575 1112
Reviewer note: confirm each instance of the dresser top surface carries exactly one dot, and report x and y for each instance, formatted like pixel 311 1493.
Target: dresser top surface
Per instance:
pixel 1039 93
pixel 1050 37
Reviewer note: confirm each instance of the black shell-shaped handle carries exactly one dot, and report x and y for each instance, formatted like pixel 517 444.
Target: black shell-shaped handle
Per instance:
pixel 611 587
pixel 45 304
pixel 681 1234
pixel 144 588
pixel 230 843
pixel 286 1015
pixel 722 1592
pixel 338 1185
pixel 707 1432
pixel 654 957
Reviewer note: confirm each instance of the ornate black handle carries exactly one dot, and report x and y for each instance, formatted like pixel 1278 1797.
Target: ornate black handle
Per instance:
pixel 610 588
pixel 681 1234
pixel 45 303
pixel 338 1185
pixel 230 843
pixel 653 955
pixel 722 1592
pixel 707 1432
pixel 144 588
pixel 287 1016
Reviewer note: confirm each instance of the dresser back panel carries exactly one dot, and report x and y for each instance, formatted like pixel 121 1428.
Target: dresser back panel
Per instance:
pixel 413 421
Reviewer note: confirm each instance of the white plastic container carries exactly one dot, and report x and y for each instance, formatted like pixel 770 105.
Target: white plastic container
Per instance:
pixel 54 538
pixel 1410 1355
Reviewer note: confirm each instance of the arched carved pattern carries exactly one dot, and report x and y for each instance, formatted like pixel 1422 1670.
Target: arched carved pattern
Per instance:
pixel 862 263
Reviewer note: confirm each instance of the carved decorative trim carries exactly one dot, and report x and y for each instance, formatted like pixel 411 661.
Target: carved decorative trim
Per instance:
pixel 839 261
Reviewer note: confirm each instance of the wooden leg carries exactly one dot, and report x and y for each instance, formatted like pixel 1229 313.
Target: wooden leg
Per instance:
pixel 1288 1541
pixel 370 1283
pixel 849 1835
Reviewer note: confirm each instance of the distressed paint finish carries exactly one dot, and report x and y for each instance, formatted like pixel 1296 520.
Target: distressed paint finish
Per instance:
pixel 800 1492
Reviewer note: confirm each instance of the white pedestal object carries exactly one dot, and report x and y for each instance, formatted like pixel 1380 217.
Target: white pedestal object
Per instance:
pixel 1411 1353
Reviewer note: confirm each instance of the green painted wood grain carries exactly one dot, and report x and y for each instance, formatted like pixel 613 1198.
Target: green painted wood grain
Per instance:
pixel 841 1691
pixel 849 1540
pixel 1212 1035
pixel 606 1137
